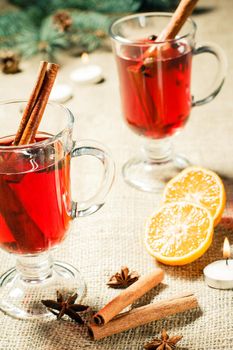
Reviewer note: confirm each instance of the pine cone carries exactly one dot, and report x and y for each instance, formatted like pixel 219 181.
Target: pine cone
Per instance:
pixel 9 61
pixel 62 20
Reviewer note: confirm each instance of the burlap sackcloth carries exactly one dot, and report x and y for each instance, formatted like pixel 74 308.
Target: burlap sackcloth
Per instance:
pixel 101 243
pixel 98 250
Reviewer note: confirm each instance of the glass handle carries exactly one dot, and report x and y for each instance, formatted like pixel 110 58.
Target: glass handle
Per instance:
pixel 91 148
pixel 219 54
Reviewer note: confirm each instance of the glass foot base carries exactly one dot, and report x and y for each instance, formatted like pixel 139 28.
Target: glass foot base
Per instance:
pixel 150 175
pixel 22 300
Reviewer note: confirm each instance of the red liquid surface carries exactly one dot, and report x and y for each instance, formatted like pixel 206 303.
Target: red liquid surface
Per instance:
pixel 156 100
pixel 35 203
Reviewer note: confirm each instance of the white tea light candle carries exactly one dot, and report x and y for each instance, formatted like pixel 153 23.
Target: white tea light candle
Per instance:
pixel 61 93
pixel 219 274
pixel 87 73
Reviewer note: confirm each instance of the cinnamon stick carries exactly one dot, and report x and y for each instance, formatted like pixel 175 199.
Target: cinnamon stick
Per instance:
pixel 183 11
pixel 33 122
pixel 32 101
pixel 179 17
pixel 143 315
pixel 128 296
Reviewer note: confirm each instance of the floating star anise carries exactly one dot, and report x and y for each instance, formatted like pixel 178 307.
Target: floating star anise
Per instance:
pixel 65 307
pixel 164 343
pixel 123 279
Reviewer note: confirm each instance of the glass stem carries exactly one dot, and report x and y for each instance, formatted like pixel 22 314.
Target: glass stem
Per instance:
pixel 158 151
pixel 35 268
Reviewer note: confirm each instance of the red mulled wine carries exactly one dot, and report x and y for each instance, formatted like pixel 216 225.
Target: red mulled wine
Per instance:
pixel 156 100
pixel 35 201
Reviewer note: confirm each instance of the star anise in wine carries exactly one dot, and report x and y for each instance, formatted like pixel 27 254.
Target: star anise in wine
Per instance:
pixel 66 307
pixel 123 279
pixel 164 343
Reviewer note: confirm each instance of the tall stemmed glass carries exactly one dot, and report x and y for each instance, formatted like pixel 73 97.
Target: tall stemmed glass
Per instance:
pixel 36 208
pixel 155 92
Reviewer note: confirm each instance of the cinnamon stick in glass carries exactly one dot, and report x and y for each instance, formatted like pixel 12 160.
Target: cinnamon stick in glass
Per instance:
pixel 143 315
pixel 183 11
pixel 26 134
pixel 12 210
pixel 128 296
pixel 179 17
pixel 148 58
pixel 37 107
pixel 32 101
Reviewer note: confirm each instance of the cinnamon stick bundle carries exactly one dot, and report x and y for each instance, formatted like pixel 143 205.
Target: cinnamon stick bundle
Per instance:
pixel 32 101
pixel 128 296
pixel 143 315
pixel 36 105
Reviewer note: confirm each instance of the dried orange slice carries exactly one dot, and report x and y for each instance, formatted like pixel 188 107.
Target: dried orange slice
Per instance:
pixel 179 233
pixel 200 186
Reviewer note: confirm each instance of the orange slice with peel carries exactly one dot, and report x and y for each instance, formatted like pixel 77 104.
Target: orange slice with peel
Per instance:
pixel 198 185
pixel 179 233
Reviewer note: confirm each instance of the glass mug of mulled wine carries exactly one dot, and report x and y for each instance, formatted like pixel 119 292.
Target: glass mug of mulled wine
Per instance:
pixel 155 92
pixel 36 207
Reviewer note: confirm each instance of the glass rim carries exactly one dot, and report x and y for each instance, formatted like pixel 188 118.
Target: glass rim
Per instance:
pixel 47 141
pixel 122 40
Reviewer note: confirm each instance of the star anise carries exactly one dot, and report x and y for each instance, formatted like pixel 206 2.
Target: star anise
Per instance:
pixel 65 307
pixel 123 279
pixel 164 343
pixel 62 20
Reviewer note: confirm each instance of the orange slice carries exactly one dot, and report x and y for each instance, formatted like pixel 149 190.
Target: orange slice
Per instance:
pixel 198 185
pixel 179 233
